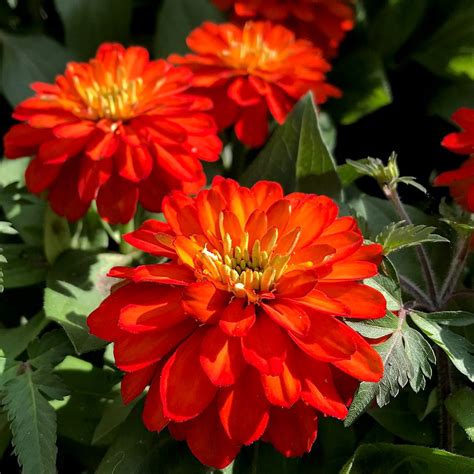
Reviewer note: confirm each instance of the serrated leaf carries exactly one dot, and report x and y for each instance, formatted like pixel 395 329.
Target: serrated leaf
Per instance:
pixel 176 19
pixel 375 328
pixel 406 356
pixel 460 406
pixel 398 235
pixel 88 23
pixel 388 284
pixel 296 155
pixel 14 341
pixel 449 318
pixel 456 347
pixel 49 384
pixel 50 350
pixel 391 458
pixel 33 424
pixel 76 285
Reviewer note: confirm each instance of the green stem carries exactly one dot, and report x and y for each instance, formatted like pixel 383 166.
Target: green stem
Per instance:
pixel 426 268
pixel 455 271
pixel 125 248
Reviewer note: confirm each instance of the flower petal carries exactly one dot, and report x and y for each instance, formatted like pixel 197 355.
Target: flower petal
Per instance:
pixel 237 318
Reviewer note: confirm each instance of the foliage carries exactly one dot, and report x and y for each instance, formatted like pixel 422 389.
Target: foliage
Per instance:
pixel 404 70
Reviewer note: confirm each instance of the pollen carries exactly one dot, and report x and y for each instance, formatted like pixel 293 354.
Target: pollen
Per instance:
pixel 247 270
pixel 114 97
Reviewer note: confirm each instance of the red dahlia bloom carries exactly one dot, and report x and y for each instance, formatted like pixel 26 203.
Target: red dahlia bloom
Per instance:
pixel 119 129
pixel 252 70
pixel 324 22
pixel 240 335
pixel 462 142
pixel 461 183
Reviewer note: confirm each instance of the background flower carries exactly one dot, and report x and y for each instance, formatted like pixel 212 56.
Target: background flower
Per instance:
pixel 120 129
pixel 461 142
pixel 324 22
pixel 253 70
pixel 240 335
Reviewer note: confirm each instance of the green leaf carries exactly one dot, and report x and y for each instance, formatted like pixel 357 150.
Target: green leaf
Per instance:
pixel 397 236
pixel 57 235
pixel 90 392
pixel 76 285
pixel 176 19
pixel 15 340
pixel 361 76
pixel 460 406
pixel 391 459
pixel 450 98
pixel 450 50
pixel 135 450
pixel 375 328
pixel 33 424
pixel 50 350
pixel 406 357
pixel 296 155
pixel 25 211
pixel 26 266
pixel 400 419
pixel 28 59
pixel 115 413
pixel 394 24
pixel 456 347
pixel 7 228
pixel 89 233
pixel 13 171
pixel 449 318
pixel 88 23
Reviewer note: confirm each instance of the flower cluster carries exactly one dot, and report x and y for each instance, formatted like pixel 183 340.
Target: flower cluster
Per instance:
pixel 119 129
pixel 240 335
pixel 461 181
pixel 324 22
pixel 251 70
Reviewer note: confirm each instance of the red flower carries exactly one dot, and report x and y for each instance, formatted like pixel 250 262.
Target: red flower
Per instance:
pixel 240 335
pixel 461 142
pixel 119 129
pixel 324 22
pixel 460 182
pixel 252 70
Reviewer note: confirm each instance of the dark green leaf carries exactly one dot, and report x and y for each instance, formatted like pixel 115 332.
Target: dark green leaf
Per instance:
pixel 450 98
pixel 296 155
pixel 398 235
pixel 390 459
pixel 115 413
pixel 26 266
pixel 50 350
pixel 406 356
pixel 394 24
pixel 25 211
pixel 88 23
pixel 461 407
pixel 57 235
pixel 361 76
pixel 449 51
pixel 456 347
pixel 449 318
pixel 76 285
pixel 28 59
pixel 33 424
pixel 90 390
pixel 176 19
pixel 15 340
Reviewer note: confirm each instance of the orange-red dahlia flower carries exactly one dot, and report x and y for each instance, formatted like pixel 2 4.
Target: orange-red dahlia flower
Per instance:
pixel 240 335
pixel 461 183
pixel 252 70
pixel 119 129
pixel 324 22
pixel 462 142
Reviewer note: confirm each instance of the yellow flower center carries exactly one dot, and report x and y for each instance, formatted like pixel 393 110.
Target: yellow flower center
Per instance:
pixel 115 98
pixel 247 271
